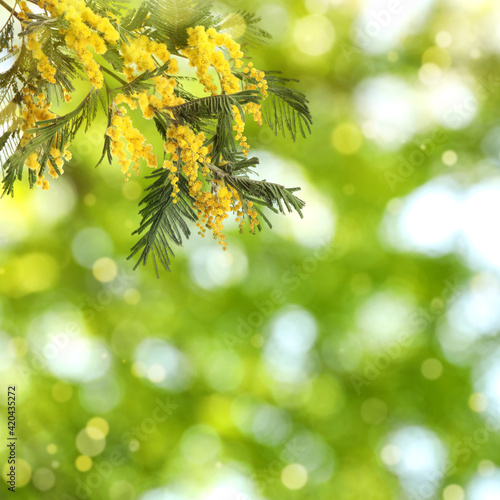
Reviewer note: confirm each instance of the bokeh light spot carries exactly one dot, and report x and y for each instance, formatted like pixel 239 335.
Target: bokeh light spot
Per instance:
pixel 90 443
pixel 314 35
pixel 83 463
pixel 62 392
pixel 122 490
pixel 44 479
pixel 438 56
pixel 131 190
pixel 478 402
pixel 200 444
pixel 156 373
pixel 453 492
pixel 347 138
pixel 486 468
pixel 105 270
pixel 374 411
pixel 162 363
pixel 132 296
pixel 294 476
pixel 390 455
pixel 432 369
pixel 23 472
pixel 450 158
pixel 51 449
pixel 91 244
pixel 443 39
pixel 99 424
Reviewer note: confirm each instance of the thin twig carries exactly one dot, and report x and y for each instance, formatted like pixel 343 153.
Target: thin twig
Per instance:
pixel 109 72
pixel 11 10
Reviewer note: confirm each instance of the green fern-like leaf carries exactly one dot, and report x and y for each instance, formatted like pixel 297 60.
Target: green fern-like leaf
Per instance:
pixel 7 33
pixel 163 221
pixel 242 26
pixel 59 130
pixel 286 108
pixel 170 19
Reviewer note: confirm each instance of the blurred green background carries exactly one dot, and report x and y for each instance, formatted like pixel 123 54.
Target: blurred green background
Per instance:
pixel 350 355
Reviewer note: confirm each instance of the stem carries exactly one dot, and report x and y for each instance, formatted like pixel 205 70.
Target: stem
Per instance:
pixel 109 72
pixel 11 10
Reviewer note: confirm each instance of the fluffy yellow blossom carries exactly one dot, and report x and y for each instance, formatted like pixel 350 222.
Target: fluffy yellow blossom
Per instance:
pixel 32 113
pixel 240 128
pixel 44 66
pixel 215 207
pixel 122 128
pixel 32 162
pixel 86 29
pixel 184 145
pixel 203 52
pixel 34 45
pixel 259 77
pixel 142 54
pixel 190 157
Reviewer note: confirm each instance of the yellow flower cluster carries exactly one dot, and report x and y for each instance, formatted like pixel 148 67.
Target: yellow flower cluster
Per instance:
pixel 185 145
pixel 260 77
pixel 140 53
pixel 34 45
pixel 67 96
pixel 214 208
pixel 162 98
pixel 252 213
pixel 86 29
pixel 32 164
pixel 59 158
pixel 122 127
pixel 203 52
pixel 44 67
pixel 164 87
pixel 240 129
pixel 32 113
pixel 186 148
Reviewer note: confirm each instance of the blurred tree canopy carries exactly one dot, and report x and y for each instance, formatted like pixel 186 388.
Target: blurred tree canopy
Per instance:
pixel 352 354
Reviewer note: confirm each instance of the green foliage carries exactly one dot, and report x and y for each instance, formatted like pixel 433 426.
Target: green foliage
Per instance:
pixel 245 24
pixel 286 109
pixel 167 21
pixel 163 221
pixel 7 33
pixel 55 131
pixel 170 19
